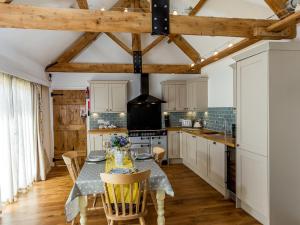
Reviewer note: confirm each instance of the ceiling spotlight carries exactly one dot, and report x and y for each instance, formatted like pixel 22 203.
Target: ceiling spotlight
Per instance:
pixel 230 45
pixel 102 9
pixel 216 53
pixel 175 13
pixel 202 60
pixel 192 65
pixel 125 10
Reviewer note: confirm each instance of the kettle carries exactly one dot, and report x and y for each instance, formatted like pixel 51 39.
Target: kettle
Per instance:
pixel 197 124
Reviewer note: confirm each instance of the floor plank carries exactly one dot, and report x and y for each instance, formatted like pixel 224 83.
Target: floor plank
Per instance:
pixel 195 202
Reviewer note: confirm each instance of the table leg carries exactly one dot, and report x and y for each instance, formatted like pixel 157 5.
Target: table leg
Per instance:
pixel 83 205
pixel 160 197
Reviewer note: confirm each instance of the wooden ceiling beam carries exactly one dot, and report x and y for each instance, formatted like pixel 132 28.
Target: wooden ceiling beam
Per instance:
pixel 119 42
pixel 153 44
pixel 31 17
pixel 276 27
pixel 121 68
pixel 235 48
pixel 136 42
pixel 82 4
pixel 185 46
pixel 282 24
pixel 197 7
pixel 84 40
pixel 77 47
pixel 278 7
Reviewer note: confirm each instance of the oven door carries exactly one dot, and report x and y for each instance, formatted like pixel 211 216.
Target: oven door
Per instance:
pixel 141 148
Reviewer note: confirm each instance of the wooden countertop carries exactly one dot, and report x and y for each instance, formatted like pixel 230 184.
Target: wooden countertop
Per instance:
pixel 208 134
pixel 108 130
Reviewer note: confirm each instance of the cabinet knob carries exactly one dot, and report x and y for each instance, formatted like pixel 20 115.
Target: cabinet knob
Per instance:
pixel 214 143
pixel 237 145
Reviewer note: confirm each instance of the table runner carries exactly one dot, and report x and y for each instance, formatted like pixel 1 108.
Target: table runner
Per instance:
pixel 128 164
pixel 89 182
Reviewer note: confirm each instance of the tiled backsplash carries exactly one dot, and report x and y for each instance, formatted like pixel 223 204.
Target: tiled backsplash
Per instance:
pixel 117 119
pixel 215 118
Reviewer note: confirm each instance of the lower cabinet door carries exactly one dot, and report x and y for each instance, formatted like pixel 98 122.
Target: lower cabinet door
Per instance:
pixel 96 141
pixel 184 146
pixel 216 163
pixel 192 150
pixel 202 156
pixel 174 144
pixel 252 181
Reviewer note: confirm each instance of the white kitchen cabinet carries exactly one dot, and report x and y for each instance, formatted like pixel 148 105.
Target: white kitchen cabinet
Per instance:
pixel 174 93
pixel 268 112
pixel 95 142
pixel 183 144
pixel 202 157
pixel 108 96
pixel 197 94
pixel 216 164
pixel 252 184
pixel 174 144
pixel 100 97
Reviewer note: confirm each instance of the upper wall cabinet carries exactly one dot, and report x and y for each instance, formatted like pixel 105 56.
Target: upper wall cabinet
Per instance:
pixel 174 93
pixel 108 96
pixel 197 94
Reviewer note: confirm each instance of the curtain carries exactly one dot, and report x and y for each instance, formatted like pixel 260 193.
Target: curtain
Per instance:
pixel 42 165
pixel 21 152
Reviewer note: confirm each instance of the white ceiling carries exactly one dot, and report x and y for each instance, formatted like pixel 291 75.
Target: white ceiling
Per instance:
pixel 42 47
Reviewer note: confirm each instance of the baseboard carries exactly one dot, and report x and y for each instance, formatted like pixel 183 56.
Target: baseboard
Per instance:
pixel 175 161
pixel 260 217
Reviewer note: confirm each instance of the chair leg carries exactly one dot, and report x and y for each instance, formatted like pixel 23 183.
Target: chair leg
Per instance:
pixel 142 221
pixel 95 201
pixel 153 197
pixel 111 222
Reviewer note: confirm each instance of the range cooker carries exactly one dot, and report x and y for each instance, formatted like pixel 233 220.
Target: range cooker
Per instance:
pixel 143 141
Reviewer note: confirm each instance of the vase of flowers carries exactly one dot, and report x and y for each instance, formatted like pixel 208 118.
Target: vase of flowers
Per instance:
pixel 120 145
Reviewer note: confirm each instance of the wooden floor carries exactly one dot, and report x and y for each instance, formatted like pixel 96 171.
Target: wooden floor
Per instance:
pixel 195 202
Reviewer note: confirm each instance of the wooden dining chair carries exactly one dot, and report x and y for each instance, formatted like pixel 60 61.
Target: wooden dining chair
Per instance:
pixel 73 160
pixel 120 209
pixel 159 154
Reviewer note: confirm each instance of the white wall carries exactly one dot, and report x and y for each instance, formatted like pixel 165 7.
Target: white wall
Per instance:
pixel 220 83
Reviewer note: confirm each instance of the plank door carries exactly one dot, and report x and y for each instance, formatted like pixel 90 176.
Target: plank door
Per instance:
pixel 69 127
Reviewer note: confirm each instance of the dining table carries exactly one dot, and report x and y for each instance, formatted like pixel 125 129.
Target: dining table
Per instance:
pixel 89 183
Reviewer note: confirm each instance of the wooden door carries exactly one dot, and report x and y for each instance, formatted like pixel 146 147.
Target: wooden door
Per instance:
pixel 69 126
pixel 181 97
pixel 216 163
pixel 118 98
pixel 252 104
pixel 100 98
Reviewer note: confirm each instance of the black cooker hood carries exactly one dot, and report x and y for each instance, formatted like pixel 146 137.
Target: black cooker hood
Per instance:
pixel 144 97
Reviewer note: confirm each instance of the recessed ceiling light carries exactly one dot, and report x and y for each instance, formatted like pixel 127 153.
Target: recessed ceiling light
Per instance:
pixel 125 10
pixel 202 60
pixel 230 45
pixel 102 9
pixel 216 53
pixel 193 64
pixel 175 13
